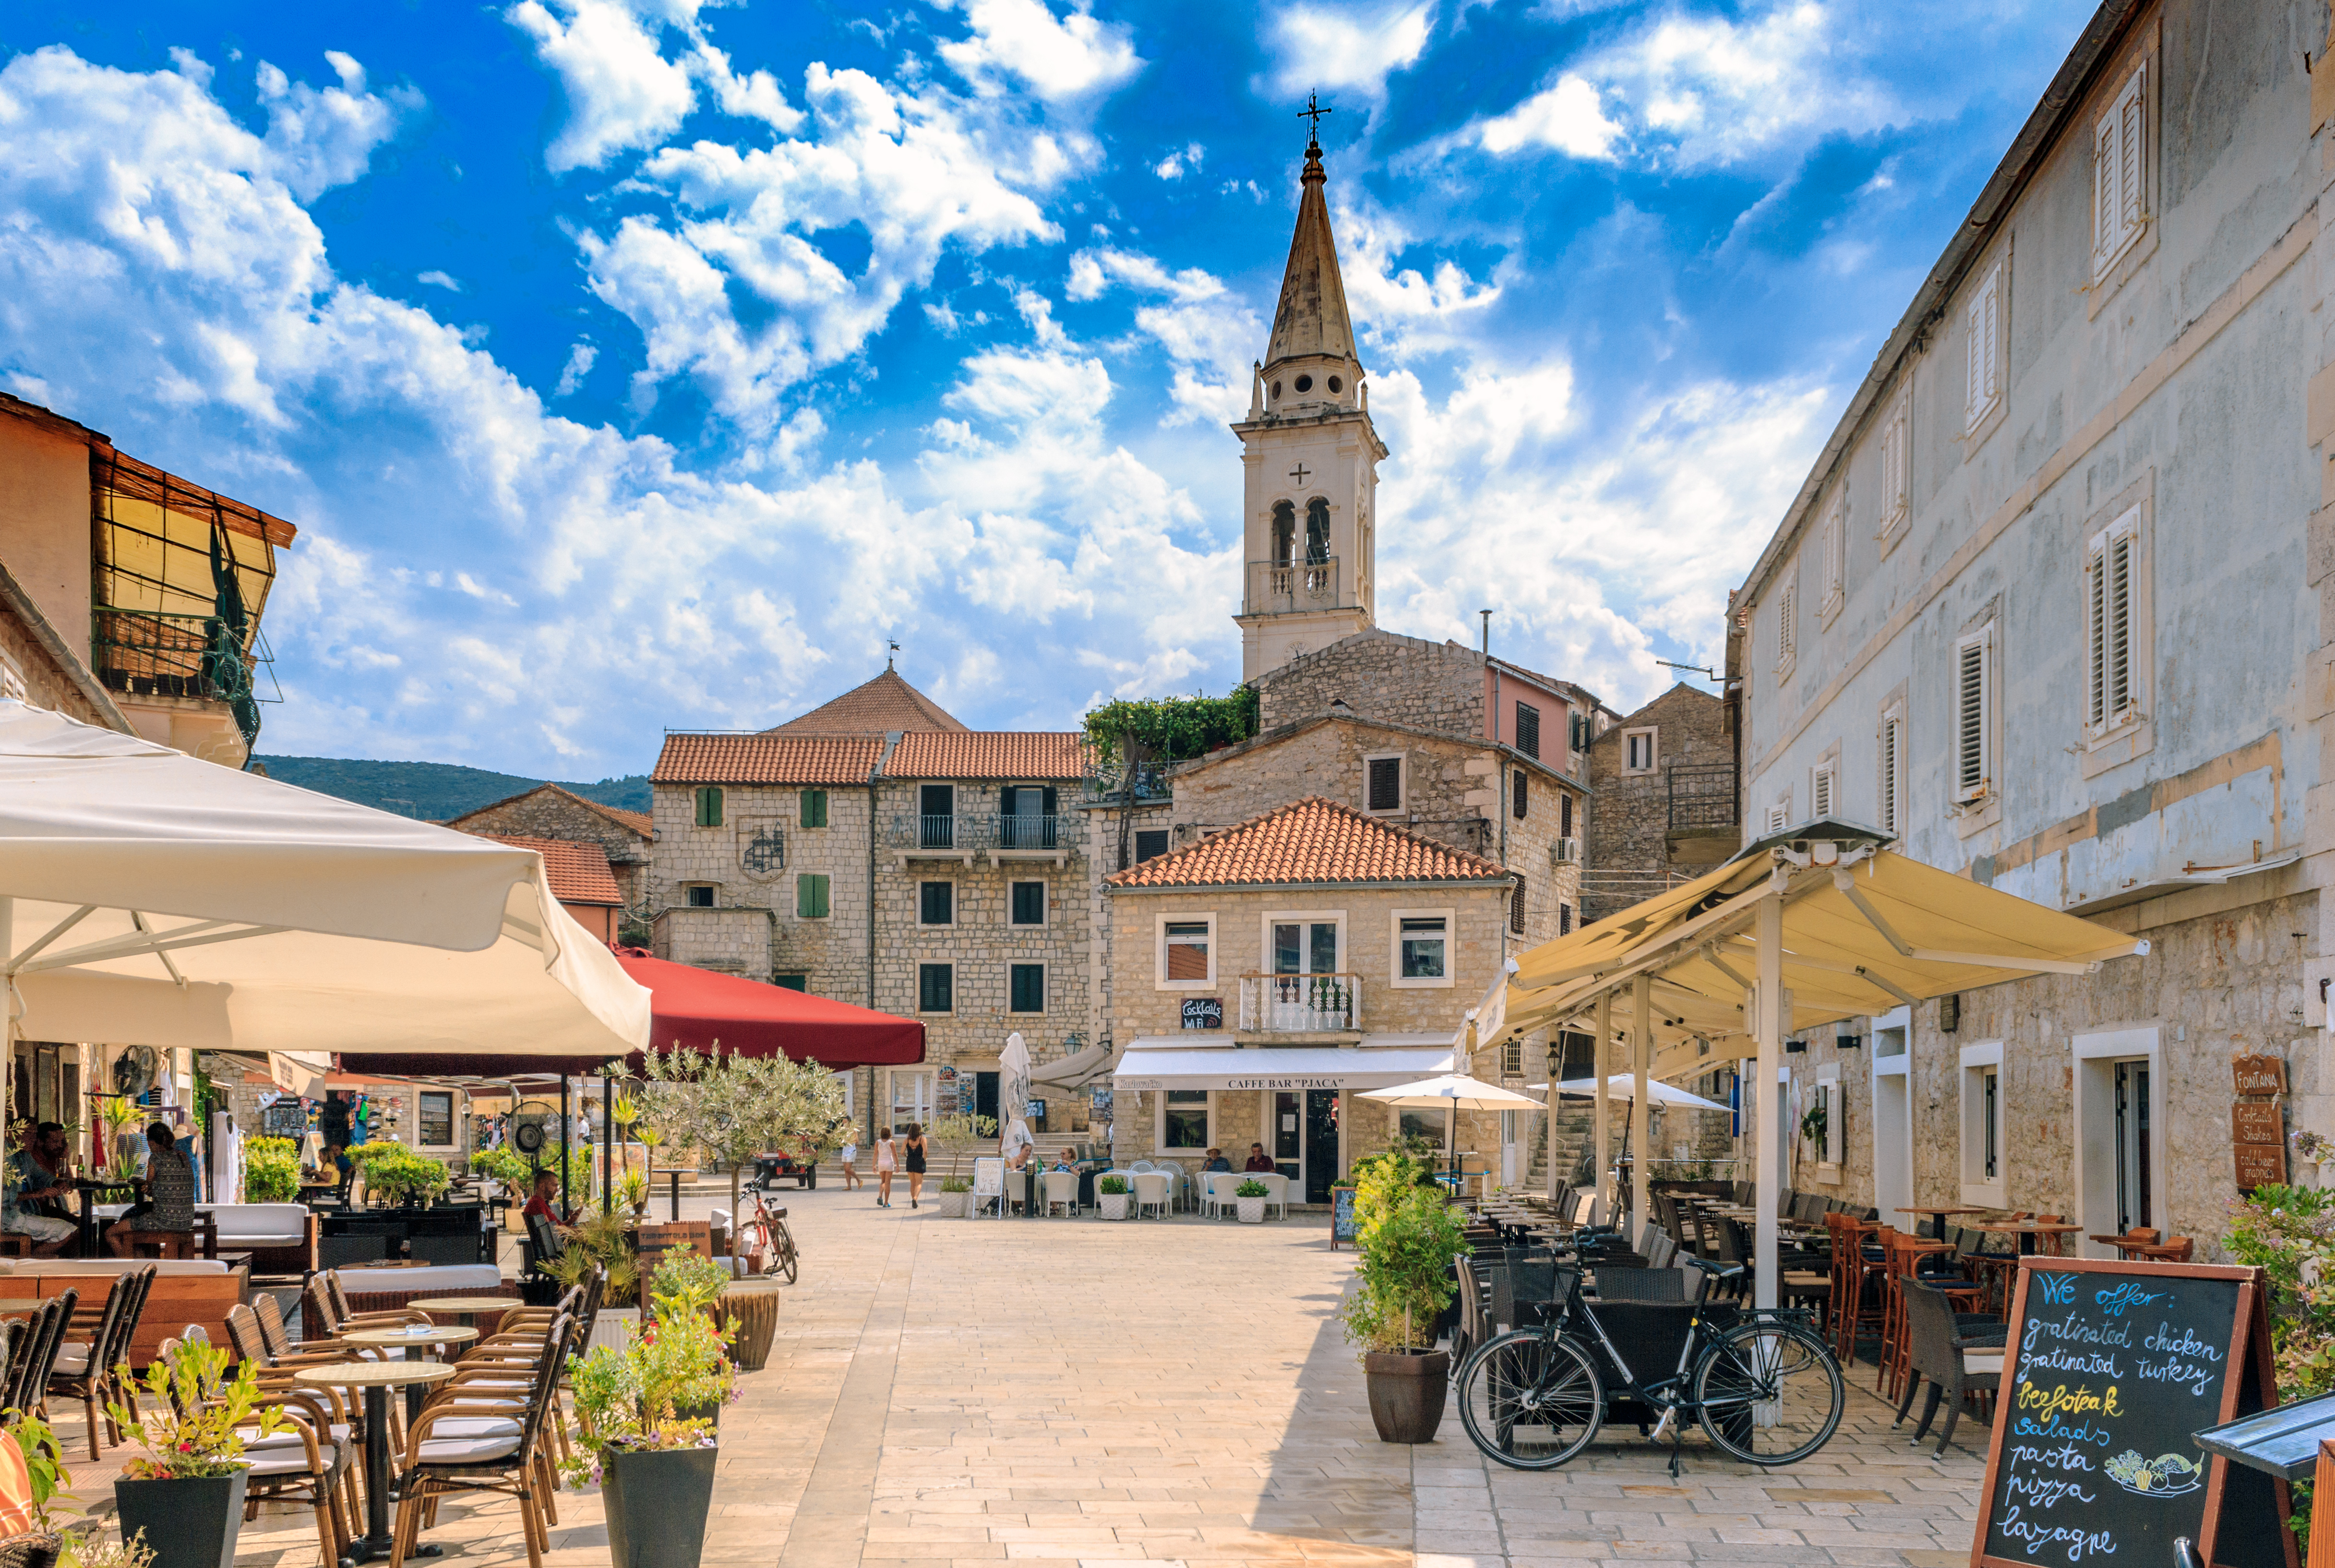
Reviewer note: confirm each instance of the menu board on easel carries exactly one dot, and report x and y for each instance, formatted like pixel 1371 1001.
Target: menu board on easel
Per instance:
pixel 2110 1368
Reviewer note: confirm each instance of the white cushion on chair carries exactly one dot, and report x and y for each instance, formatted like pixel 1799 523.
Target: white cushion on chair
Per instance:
pixel 73 1359
pixel 253 1443
pixel 1983 1362
pixel 467 1450
pixel 292 1461
pixel 473 1427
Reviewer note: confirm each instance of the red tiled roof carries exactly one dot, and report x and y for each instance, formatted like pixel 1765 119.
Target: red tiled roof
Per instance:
pixel 578 872
pixel 882 705
pixel 1312 841
pixel 989 754
pixel 766 758
pixel 638 822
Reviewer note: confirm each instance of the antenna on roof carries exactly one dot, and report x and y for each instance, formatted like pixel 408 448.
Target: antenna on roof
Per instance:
pixel 892 650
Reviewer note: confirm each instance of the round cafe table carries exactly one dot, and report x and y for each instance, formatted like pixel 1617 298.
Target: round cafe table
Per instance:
pixel 465 1308
pixel 415 1340
pixel 377 1379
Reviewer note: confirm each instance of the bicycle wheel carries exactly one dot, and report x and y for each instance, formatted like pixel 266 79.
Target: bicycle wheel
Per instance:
pixel 786 1249
pixel 1769 1393
pixel 1529 1401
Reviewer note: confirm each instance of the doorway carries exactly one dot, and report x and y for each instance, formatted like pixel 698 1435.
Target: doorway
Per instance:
pixel 2132 1161
pixel 912 1098
pixel 985 1096
pixel 1892 1111
pixel 1305 1139
pixel 2119 1136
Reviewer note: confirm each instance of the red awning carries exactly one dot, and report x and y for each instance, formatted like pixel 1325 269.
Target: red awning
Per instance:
pixel 694 1007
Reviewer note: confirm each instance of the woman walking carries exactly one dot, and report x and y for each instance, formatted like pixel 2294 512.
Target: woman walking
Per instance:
pixel 849 1156
pixel 884 1168
pixel 915 1152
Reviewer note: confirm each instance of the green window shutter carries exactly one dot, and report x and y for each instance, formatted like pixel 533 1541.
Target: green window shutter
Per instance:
pixel 709 805
pixel 791 982
pixel 814 807
pixel 1028 987
pixel 810 895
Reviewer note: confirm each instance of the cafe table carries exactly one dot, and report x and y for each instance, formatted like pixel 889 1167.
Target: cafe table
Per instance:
pixel 86 1190
pixel 2026 1231
pixel 415 1340
pixel 676 1173
pixel 465 1308
pixel 377 1379
pixel 1938 1217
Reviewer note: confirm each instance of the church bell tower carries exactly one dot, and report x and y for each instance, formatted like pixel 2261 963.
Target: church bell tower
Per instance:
pixel 1311 456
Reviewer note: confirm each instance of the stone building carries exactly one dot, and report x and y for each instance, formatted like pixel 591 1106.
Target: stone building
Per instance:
pixel 1271 972
pixel 1662 807
pixel 923 871
pixel 2054 609
pixel 628 839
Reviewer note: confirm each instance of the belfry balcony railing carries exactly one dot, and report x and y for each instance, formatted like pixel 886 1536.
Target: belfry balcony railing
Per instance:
pixel 1301 584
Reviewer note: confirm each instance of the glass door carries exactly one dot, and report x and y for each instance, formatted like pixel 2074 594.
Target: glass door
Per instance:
pixel 2132 1144
pixel 1321 1143
pixel 912 1098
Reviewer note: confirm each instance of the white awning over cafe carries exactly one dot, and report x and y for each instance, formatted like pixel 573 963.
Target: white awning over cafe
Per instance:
pixel 1168 1063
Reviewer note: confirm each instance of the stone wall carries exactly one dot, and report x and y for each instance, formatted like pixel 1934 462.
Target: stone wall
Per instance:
pixel 1383 676
pixel 1629 850
pixel 46 685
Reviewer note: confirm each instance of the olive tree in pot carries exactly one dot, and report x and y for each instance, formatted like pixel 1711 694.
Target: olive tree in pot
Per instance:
pixel 954 1134
pixel 1406 1239
pixel 186 1494
pixel 1249 1200
pixel 645 1439
pixel 732 1107
pixel 1110 1196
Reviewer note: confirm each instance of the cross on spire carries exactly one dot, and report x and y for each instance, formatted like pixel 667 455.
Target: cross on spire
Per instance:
pixel 1299 473
pixel 1313 111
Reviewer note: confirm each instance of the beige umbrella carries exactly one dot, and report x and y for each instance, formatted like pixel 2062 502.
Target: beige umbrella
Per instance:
pixel 1455 1092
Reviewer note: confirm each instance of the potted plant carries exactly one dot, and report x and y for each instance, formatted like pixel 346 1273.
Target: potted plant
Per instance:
pixel 1407 1236
pixel 684 1284
pixel 187 1493
pixel 955 1135
pixel 654 1464
pixel 271 1170
pixel 955 1197
pixel 633 1193
pixel 1110 1196
pixel 1248 1199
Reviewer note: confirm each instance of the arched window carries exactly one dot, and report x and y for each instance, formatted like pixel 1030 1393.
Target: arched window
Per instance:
pixel 1284 532
pixel 1317 531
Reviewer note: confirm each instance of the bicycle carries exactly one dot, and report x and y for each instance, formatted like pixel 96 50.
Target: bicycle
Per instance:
pixel 1766 1387
pixel 771 1246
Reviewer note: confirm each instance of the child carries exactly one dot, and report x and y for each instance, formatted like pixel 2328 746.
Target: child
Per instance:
pixel 885 1166
pixel 848 1154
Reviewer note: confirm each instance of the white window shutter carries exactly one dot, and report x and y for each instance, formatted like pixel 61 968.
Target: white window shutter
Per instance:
pixel 1974 353
pixel 2118 573
pixel 1973 677
pixel 1788 612
pixel 2132 146
pixel 1821 803
pixel 1990 362
pixel 1892 732
pixel 2095 616
pixel 2120 174
pixel 2107 164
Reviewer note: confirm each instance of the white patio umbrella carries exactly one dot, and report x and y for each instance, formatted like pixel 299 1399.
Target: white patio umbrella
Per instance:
pixel 1014 1091
pixel 147 898
pixel 1625 1086
pixel 1455 1092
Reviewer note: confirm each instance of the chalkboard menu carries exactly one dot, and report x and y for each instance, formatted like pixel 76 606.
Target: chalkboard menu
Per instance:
pixel 2111 1367
pixel 1204 1013
pixel 1343 1226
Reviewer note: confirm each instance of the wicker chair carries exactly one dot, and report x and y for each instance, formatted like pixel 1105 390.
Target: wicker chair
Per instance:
pixel 1938 1351
pixel 87 1369
pixel 29 1387
pixel 451 1451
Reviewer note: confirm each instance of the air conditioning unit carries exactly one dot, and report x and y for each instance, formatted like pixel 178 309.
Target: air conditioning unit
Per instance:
pixel 1565 852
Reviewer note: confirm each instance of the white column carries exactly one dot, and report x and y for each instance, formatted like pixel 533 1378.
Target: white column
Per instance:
pixel 1642 1051
pixel 1769 1241
pixel 1603 1211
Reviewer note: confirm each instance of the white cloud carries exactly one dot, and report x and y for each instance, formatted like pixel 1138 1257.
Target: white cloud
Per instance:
pixel 1061 59
pixel 622 95
pixel 580 360
pixel 324 139
pixel 1178 164
pixel 1210 337
pixel 1566 117
pixel 1354 46
pixel 437 279
pixel 1398 310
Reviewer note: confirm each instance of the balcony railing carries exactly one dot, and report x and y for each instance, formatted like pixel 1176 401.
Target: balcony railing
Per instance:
pixel 1301 1003
pixel 155 654
pixel 1022 831
pixel 1703 795
pixel 945 834
pixel 1292 585
pixel 1109 783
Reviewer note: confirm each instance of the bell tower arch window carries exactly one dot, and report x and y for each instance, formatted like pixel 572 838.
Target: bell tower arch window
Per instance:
pixel 1284 533
pixel 1317 531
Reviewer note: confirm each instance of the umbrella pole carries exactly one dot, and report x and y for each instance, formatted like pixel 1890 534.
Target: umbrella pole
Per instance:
pixel 566 1202
pixel 1640 1107
pixel 1773 1009
pixel 1603 1212
pixel 607 1143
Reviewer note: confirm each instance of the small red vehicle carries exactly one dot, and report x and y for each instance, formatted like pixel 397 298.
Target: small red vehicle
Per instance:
pixel 770 1169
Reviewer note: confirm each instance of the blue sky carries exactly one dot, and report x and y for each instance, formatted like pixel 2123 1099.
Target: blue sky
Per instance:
pixel 642 363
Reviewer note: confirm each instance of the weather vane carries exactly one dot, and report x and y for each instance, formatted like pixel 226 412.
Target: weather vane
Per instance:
pixel 1313 111
pixel 892 650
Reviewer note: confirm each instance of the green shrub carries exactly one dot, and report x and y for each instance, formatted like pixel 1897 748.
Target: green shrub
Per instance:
pixel 1406 1237
pixel 1114 1187
pixel 685 1283
pixel 956 1185
pixel 1252 1189
pixel 271 1170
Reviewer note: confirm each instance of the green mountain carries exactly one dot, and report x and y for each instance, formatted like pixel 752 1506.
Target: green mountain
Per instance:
pixel 435 791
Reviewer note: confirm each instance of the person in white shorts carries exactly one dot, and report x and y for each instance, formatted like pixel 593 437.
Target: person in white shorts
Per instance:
pixel 17 1186
pixel 848 1152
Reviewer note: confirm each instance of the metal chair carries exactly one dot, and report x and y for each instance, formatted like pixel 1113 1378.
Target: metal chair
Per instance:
pixel 1955 1361
pixel 448 1452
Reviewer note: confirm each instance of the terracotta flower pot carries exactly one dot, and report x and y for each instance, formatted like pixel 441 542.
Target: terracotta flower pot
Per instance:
pixel 1407 1389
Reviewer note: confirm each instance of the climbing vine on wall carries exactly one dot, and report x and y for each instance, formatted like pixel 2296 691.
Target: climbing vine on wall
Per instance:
pixel 1174 727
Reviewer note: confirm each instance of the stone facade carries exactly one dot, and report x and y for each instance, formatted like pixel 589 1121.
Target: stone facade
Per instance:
pixel 38 665
pixel 548 811
pixel 1440 687
pixel 1631 846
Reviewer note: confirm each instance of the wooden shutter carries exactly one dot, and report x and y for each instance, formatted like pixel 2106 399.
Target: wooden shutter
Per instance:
pixel 1386 784
pixel 1518 793
pixel 1150 843
pixel 2120 174
pixel 1982 321
pixel 1893 734
pixel 1836 550
pixel 1528 729
pixel 709 805
pixel 1821 803
pixel 1564 815
pixel 814 807
pixel 1971 678
pixel 1787 613
pixel 810 895
pixel 1517 907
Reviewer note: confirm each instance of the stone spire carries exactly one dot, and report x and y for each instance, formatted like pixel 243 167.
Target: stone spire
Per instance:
pixel 1312 318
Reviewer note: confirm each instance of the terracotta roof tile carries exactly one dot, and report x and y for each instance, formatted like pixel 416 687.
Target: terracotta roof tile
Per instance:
pixel 882 705
pixel 578 872
pixel 1314 841
pixel 766 758
pixel 638 822
pixel 989 754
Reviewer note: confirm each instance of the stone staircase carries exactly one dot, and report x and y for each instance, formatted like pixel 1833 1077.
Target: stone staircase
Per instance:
pixel 1573 1127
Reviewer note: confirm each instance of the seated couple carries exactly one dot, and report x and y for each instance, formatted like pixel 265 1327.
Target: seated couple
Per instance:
pixel 1258 1160
pixel 33 1192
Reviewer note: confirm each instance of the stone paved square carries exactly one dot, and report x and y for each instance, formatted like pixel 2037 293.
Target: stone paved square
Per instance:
pixel 1070 1392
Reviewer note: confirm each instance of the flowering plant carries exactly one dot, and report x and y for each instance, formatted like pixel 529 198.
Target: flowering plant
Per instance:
pixel 630 1399
pixel 199 1412
pixel 684 1282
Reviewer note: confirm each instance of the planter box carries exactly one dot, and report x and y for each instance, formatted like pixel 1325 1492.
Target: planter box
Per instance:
pixel 754 1303
pixel 952 1205
pixel 1250 1210
pixel 657 1505
pixel 189 1524
pixel 1113 1204
pixel 1406 1393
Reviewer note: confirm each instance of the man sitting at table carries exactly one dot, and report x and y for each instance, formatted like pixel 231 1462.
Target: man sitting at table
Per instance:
pixel 1217 1161
pixel 1258 1160
pixel 17 1193
pixel 40 1163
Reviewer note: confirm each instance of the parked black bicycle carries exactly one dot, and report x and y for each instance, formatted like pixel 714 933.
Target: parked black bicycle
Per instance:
pixel 1764 1386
